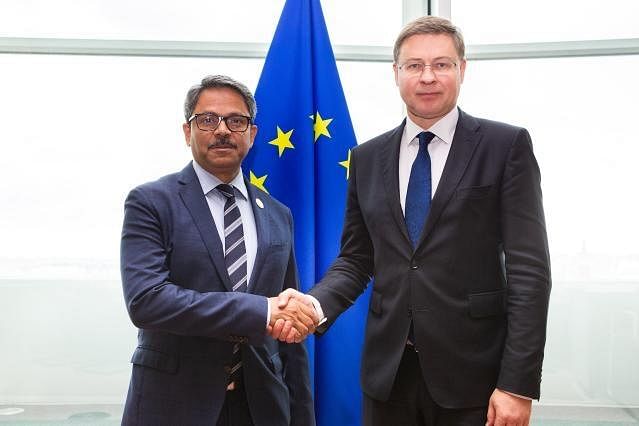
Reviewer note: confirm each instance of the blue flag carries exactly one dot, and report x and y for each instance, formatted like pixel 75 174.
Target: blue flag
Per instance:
pixel 301 157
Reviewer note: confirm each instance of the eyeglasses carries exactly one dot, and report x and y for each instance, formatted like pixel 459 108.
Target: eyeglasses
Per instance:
pixel 443 66
pixel 209 121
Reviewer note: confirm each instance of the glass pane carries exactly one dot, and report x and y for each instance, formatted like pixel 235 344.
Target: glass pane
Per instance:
pixel 368 22
pixel 198 20
pixel 507 21
pixel 372 97
pixel 204 20
pixel 77 137
pixel 585 142
pixel 78 133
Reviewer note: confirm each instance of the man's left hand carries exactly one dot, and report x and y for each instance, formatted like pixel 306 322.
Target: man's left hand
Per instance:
pixel 505 409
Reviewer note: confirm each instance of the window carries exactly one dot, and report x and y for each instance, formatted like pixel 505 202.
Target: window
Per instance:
pixel 580 112
pixel 252 21
pixel 80 131
pixel 504 21
pixel 83 131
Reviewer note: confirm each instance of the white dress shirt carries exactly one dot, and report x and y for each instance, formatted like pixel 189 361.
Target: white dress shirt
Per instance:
pixel 438 149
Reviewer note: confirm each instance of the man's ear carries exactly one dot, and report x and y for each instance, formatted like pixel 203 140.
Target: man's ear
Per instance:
pixel 186 128
pixel 253 133
pixel 395 70
pixel 462 70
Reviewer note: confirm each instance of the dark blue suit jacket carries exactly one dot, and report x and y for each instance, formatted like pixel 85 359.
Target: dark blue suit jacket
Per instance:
pixel 178 294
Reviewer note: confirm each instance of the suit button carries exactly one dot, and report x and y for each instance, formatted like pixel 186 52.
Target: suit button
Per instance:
pixel 413 266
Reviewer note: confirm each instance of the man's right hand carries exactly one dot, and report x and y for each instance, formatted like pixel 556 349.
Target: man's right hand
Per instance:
pixel 293 317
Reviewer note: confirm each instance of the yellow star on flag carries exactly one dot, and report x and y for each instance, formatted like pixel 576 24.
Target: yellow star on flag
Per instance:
pixel 347 164
pixel 282 141
pixel 320 125
pixel 258 181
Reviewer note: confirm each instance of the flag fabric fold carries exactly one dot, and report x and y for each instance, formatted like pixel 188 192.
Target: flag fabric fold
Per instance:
pixel 301 156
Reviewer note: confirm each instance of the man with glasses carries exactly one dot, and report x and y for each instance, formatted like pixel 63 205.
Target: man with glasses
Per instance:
pixel 203 257
pixel 445 213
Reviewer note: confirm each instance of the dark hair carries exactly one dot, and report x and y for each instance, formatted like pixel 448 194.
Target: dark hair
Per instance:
pixel 215 81
pixel 430 25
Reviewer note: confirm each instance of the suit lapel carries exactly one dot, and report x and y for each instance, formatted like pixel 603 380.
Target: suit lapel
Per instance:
pixel 263 228
pixel 390 169
pixel 461 151
pixel 195 202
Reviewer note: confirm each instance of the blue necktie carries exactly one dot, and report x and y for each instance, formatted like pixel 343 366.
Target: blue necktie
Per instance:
pixel 419 190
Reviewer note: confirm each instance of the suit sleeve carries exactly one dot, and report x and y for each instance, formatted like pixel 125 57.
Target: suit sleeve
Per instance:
pixel 295 360
pixel 349 275
pixel 527 264
pixel 154 302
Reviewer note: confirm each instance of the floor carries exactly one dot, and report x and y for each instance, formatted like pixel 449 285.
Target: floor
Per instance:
pixel 109 415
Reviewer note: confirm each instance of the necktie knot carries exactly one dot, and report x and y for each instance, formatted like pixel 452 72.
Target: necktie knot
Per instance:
pixel 424 139
pixel 226 190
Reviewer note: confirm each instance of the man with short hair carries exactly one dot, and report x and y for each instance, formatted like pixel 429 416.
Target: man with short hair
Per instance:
pixel 203 256
pixel 445 213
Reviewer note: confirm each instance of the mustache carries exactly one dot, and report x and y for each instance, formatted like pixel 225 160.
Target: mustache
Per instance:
pixel 222 142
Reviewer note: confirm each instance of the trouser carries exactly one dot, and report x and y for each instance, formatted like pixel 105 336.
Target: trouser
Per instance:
pixel 410 403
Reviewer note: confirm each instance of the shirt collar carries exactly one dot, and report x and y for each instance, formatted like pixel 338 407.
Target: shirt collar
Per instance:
pixel 444 129
pixel 209 181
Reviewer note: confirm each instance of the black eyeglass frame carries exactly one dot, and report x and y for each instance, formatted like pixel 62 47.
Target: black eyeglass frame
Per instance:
pixel 221 118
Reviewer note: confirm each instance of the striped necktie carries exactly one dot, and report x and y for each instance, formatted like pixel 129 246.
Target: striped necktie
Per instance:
pixel 234 247
pixel 235 260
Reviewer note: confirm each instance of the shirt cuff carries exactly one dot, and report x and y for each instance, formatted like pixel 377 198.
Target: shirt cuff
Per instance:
pixel 318 309
pixel 518 396
pixel 268 313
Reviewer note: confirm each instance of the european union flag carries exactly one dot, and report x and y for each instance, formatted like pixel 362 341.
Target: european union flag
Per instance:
pixel 301 157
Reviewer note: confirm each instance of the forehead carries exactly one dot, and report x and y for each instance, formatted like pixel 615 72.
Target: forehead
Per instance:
pixel 427 46
pixel 221 100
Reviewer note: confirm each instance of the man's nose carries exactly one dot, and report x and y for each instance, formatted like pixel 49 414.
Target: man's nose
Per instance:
pixel 222 128
pixel 427 75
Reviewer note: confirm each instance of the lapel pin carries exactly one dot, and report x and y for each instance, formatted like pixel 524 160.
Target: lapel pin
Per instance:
pixel 259 203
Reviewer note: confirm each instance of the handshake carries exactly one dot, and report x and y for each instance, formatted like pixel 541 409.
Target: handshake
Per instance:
pixel 293 316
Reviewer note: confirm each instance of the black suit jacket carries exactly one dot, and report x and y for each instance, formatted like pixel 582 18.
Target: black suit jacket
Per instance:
pixel 476 286
pixel 179 295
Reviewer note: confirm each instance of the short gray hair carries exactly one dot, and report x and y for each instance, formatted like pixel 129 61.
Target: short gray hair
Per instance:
pixel 430 25
pixel 213 82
